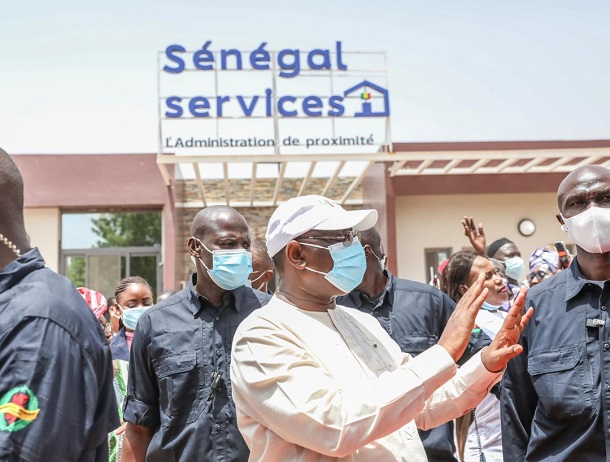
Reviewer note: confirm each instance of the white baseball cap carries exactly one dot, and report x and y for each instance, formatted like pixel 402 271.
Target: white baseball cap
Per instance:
pixel 301 214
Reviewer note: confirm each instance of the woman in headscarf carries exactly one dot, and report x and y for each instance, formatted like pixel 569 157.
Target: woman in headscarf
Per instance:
pixel 544 263
pixel 479 432
pixel 98 304
pixel 133 296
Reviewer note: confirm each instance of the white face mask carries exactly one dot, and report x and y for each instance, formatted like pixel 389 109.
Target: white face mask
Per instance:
pixel 590 229
pixel 250 282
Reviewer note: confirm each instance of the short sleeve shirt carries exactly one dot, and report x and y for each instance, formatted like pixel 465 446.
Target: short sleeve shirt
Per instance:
pixel 179 376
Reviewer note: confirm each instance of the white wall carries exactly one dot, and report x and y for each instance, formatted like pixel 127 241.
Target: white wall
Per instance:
pixel 434 221
pixel 43 226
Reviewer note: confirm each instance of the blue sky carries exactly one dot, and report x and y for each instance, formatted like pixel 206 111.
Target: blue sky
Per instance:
pixel 80 77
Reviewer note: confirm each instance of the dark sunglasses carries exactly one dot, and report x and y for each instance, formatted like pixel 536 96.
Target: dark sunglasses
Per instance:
pixel 538 274
pixel 346 238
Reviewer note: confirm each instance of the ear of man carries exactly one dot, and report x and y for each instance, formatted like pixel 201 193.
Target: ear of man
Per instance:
pixel 267 276
pixel 559 218
pixel 192 245
pixel 294 255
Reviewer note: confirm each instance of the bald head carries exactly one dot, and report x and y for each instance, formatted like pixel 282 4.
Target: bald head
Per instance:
pixel 11 185
pixel 214 218
pixel 218 228
pixel 11 199
pixel 583 187
pixel 263 268
pixel 261 261
pixel 371 238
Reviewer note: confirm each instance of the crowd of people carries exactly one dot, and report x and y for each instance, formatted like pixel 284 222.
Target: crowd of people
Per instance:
pixel 343 362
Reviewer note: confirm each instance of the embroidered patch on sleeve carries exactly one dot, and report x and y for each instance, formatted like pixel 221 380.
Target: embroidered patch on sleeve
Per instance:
pixel 18 409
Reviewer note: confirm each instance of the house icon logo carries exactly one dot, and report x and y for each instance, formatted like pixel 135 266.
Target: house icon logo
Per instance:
pixel 366 88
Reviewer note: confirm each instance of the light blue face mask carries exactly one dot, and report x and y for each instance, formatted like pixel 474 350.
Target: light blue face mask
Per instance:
pixel 132 315
pixel 230 268
pixel 349 265
pixel 514 267
pixel 490 307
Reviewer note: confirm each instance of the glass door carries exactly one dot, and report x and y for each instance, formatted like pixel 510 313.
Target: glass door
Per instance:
pixel 102 269
pixel 99 249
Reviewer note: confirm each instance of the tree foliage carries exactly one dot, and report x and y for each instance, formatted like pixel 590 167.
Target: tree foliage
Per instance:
pixel 131 229
pixel 76 271
pixel 128 229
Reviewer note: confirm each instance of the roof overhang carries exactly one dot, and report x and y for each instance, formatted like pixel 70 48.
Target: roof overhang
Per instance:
pixel 495 162
pixel 333 164
pixel 406 159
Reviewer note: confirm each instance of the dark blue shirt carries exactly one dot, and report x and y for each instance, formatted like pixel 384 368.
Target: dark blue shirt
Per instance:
pixel 415 315
pixel 55 369
pixel 118 346
pixel 178 348
pixel 556 394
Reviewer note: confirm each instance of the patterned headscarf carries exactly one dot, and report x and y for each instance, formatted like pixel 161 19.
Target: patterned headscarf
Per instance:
pixel 95 300
pixel 546 255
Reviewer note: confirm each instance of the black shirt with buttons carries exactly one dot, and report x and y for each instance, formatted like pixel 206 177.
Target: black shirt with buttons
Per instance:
pixel 179 376
pixel 57 402
pixel 556 394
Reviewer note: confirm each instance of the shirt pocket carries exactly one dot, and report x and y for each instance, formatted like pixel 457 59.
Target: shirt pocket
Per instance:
pixel 417 344
pixel 558 376
pixel 180 390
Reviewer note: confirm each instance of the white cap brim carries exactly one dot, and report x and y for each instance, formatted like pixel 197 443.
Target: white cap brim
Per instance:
pixel 358 220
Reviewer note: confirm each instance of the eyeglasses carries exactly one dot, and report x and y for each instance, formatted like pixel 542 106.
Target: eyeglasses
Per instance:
pixel 540 275
pixel 346 238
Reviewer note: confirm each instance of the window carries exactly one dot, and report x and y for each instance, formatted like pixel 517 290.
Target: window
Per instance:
pixel 99 249
pixel 434 257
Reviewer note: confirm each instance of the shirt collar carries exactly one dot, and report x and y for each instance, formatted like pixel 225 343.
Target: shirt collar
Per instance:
pixel 575 281
pixel 19 268
pixel 359 297
pixel 390 288
pixel 232 298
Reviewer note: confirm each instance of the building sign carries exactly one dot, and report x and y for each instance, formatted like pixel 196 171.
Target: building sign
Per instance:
pixel 227 83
